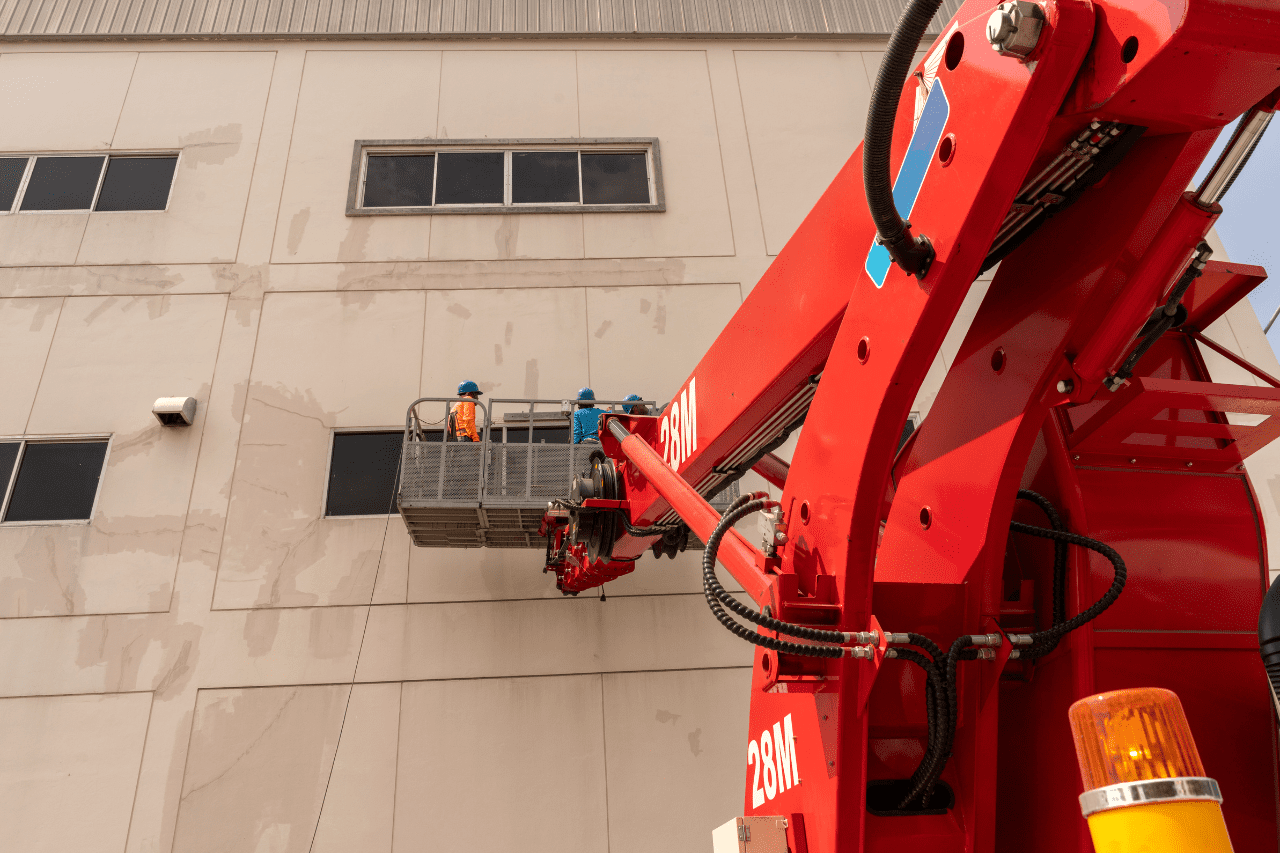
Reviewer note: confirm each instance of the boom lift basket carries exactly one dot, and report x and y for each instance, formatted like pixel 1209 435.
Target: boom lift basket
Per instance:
pixel 492 493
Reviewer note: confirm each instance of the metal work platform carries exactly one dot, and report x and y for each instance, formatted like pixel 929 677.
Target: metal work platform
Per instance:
pixel 492 493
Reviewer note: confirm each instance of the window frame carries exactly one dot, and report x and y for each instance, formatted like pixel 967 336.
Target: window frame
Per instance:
pixel 363 148
pixel 7 495
pixel 16 208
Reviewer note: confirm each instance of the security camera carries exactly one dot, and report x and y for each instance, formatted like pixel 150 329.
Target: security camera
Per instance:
pixel 175 411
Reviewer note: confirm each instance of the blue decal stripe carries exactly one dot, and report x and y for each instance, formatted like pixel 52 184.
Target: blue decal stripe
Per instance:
pixel 915 165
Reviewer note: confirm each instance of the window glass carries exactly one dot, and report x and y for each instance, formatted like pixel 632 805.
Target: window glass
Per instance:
pixel 615 179
pixel 8 455
pixel 472 177
pixel 544 177
pixel 364 473
pixel 62 183
pixel 137 183
pixel 57 481
pixel 907 428
pixel 11 169
pixel 399 181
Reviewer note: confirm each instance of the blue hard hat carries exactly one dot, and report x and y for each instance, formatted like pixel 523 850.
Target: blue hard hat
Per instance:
pixel 628 409
pixel 586 394
pixel 469 387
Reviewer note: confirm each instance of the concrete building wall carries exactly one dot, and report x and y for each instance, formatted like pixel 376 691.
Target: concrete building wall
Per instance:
pixel 211 664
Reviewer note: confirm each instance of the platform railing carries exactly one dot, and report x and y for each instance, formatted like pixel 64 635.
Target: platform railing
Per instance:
pixel 493 492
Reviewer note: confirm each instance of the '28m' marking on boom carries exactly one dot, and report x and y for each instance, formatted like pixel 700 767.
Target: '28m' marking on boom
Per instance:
pixel 773 755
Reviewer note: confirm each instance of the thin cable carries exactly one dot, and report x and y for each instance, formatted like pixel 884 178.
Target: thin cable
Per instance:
pixel 395 489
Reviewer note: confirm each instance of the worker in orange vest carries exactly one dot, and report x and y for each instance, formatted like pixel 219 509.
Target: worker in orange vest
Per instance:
pixel 462 414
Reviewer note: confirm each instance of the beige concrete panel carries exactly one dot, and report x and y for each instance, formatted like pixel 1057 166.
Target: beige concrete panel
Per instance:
pixel 323 361
pixel 500 574
pixel 257 768
pixel 62 101
pixel 360 804
pixel 666 94
pixel 35 239
pixel 805 113
pixel 735 151
pixel 647 340
pixel 208 106
pixel 513 343
pixel 506 237
pixel 258 230
pixel 499 765
pixel 676 743
pixel 348 95
pixel 102 377
pixel 68 768
pixel 26 331
pixel 526 94
pixel 483 639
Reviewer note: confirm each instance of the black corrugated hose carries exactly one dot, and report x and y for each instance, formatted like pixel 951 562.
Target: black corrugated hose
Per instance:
pixel 718 599
pixel 913 254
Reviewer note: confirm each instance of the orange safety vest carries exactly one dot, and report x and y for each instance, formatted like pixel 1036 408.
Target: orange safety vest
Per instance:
pixel 463 416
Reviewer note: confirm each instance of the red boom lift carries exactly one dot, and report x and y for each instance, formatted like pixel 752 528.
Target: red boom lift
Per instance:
pixel 1073 515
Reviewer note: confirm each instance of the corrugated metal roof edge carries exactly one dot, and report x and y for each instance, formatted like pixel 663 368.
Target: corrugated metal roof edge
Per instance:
pixel 7 38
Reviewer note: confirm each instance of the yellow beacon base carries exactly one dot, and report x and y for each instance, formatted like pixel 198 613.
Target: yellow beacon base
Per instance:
pixel 1180 826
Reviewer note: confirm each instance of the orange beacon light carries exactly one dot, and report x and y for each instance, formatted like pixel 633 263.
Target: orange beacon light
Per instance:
pixel 1145 788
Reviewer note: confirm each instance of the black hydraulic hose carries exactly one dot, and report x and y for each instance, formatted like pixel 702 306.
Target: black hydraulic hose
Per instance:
pixel 1269 639
pixel 718 599
pixel 1059 564
pixel 913 254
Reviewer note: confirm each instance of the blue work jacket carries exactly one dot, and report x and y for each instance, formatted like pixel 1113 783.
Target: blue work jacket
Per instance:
pixel 586 424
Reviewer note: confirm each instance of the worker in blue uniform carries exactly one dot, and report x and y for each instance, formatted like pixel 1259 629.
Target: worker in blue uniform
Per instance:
pixel 635 408
pixel 586 419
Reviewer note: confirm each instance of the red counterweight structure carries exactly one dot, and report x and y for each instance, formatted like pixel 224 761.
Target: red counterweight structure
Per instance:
pixel 1072 516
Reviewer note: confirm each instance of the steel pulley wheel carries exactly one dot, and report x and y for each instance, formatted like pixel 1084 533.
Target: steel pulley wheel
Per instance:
pixel 600 529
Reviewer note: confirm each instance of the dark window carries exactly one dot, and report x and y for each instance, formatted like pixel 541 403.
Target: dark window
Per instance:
pixel 541 435
pixel 907 428
pixel 137 183
pixel 11 169
pixel 544 177
pixel 8 456
pixel 364 473
pixel 473 177
pixel 56 481
pixel 399 181
pixel 62 183
pixel 615 179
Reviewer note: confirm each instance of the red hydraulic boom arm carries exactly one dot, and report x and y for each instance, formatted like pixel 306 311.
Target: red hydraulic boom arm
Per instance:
pixel 1072 516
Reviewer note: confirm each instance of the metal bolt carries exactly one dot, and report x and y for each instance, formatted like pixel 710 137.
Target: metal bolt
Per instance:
pixel 1076 458
pixel 1133 461
pixel 1065 386
pixel 1188 464
pixel 1014 28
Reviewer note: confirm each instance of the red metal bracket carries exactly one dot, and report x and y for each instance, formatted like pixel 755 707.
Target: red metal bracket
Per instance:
pixel 1144 423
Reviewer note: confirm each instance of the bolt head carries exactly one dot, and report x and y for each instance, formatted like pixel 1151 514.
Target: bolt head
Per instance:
pixel 999 27
pixel 1065 386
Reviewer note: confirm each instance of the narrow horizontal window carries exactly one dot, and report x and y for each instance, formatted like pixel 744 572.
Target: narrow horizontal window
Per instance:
pixel 56 481
pixel 614 179
pixel 137 183
pixel 399 181
pixel 364 473
pixel 469 177
pixel 544 177
pixel 63 183
pixel 11 171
